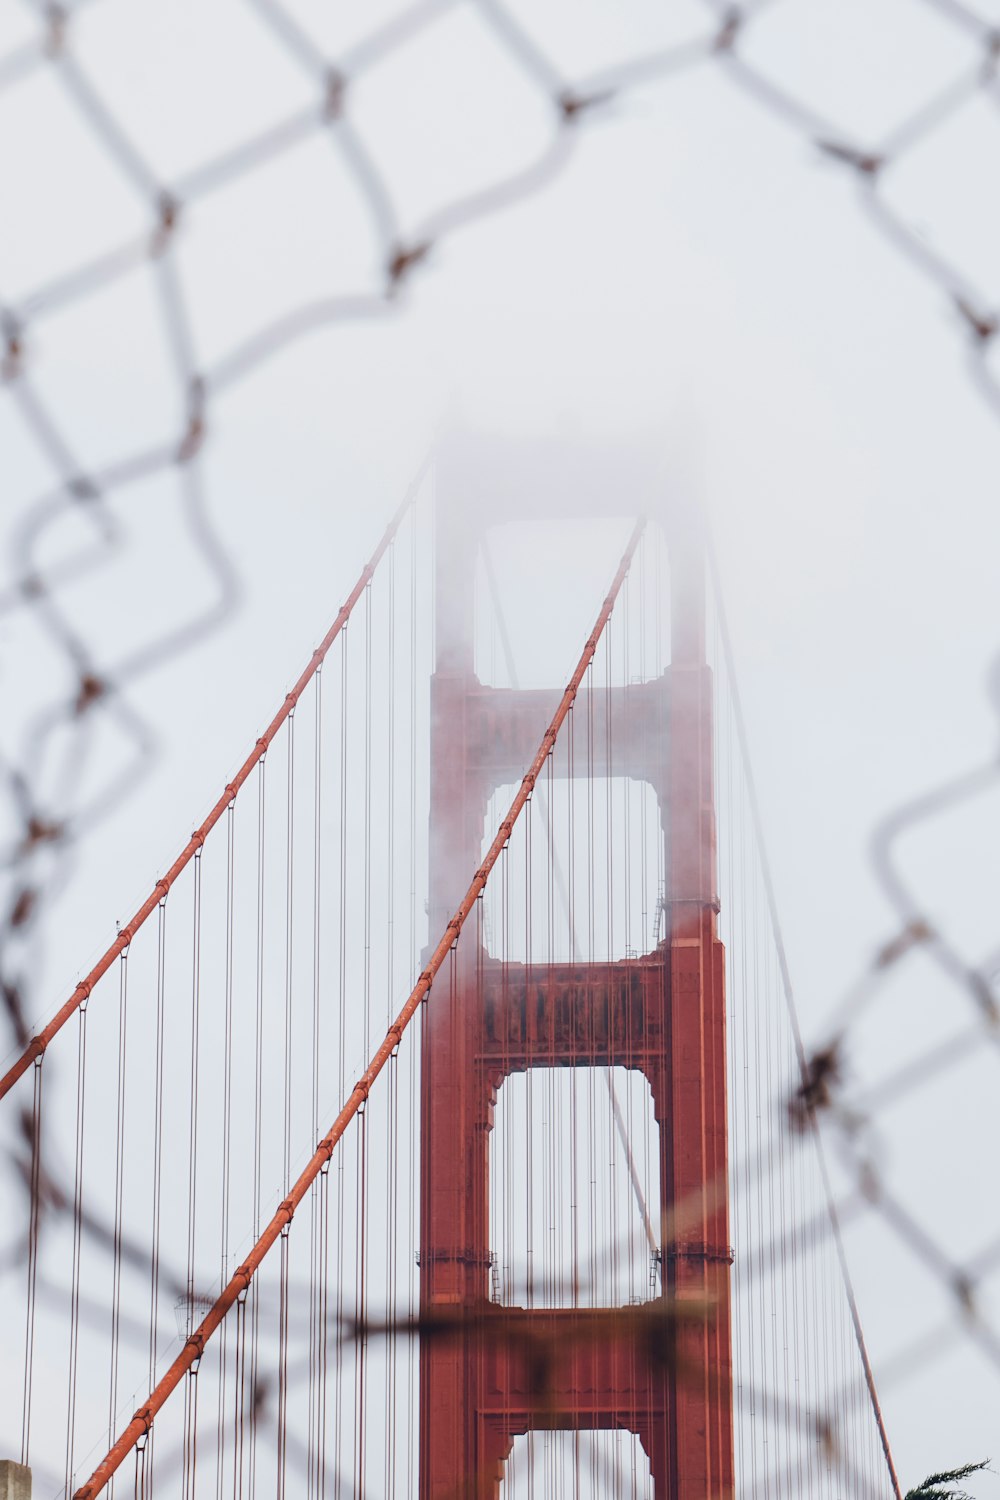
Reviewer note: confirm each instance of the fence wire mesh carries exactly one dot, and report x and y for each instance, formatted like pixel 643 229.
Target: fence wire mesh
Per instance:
pixel 283 83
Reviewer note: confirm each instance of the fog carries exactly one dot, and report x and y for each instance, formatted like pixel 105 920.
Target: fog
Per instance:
pixel 684 277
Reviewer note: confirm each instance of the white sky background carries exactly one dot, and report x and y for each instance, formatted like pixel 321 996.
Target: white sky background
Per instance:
pixel 697 275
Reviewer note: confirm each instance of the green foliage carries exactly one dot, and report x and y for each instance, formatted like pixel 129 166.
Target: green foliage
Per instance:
pixel 942 1486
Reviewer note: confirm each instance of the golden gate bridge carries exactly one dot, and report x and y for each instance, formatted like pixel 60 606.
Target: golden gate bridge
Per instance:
pixel 438 1125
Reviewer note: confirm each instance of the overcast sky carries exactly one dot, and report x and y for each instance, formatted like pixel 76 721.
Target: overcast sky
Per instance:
pixel 696 277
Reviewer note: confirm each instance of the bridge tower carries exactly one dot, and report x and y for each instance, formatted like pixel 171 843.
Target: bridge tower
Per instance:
pixel 476 1392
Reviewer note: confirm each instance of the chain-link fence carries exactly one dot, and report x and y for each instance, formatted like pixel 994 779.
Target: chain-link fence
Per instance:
pixel 102 202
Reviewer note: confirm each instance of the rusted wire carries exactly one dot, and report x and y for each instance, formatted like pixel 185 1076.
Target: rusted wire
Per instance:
pixel 95 692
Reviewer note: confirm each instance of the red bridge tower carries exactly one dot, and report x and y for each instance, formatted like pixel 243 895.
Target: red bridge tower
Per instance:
pixel 476 1389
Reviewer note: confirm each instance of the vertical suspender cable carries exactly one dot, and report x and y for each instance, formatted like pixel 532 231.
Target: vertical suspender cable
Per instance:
pixel 414 1049
pixel 227 1107
pixel 286 1105
pixel 341 1065
pixel 258 1114
pixel 119 1191
pixel 289 950
pixel 789 997
pixel 392 1199
pixel 316 1207
pixel 191 1386
pixel 146 1465
pixel 74 1327
pixel 34 1213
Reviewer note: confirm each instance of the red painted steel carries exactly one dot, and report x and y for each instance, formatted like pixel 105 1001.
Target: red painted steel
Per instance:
pixel 126 934
pixel 663 1014
pixel 194 1346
